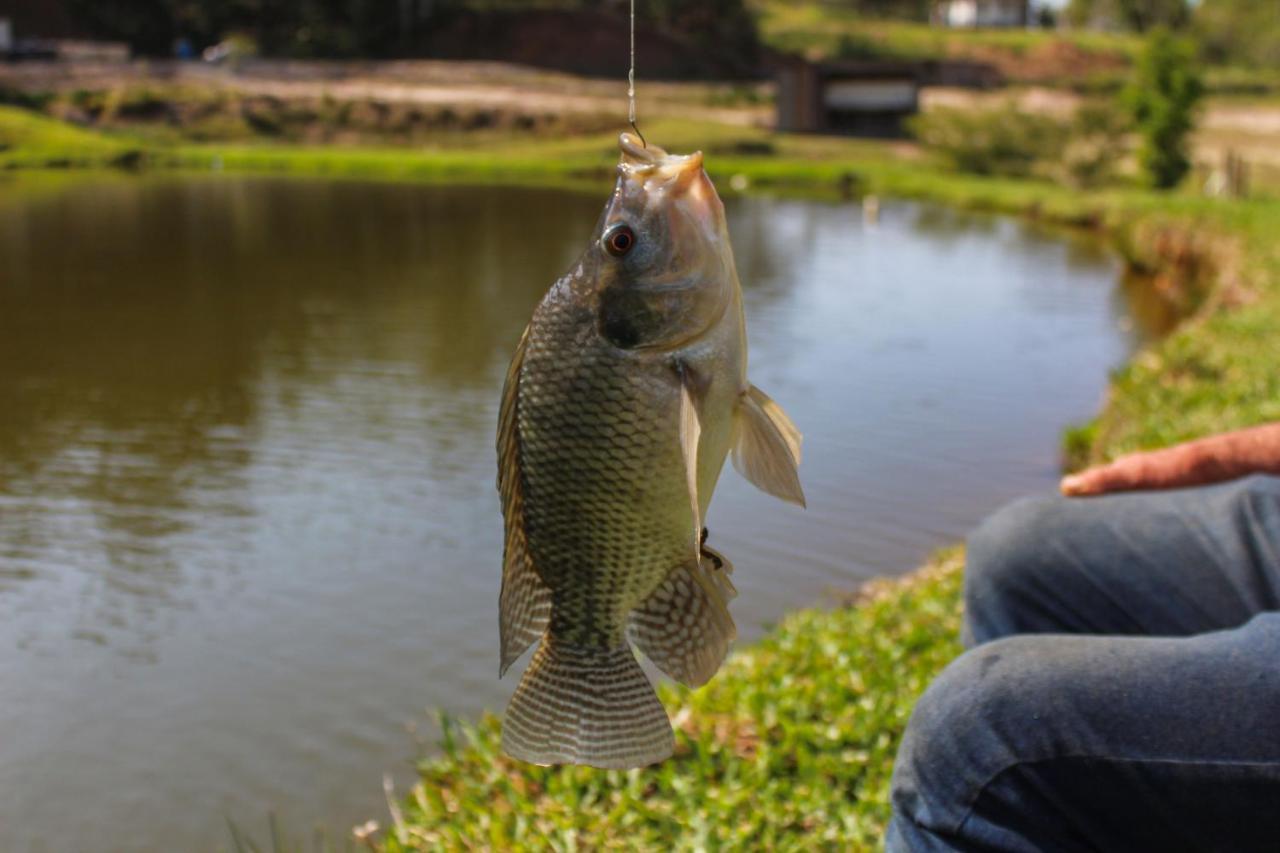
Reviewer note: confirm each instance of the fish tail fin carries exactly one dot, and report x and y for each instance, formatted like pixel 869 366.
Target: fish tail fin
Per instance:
pixel 586 706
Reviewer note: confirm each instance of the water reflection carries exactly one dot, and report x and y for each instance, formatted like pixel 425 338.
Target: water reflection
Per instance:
pixel 138 328
pixel 247 519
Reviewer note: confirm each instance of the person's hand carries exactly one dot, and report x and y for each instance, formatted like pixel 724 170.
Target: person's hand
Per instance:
pixel 1196 463
pixel 1162 469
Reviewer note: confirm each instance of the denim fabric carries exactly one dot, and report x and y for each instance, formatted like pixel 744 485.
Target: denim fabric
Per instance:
pixel 1124 688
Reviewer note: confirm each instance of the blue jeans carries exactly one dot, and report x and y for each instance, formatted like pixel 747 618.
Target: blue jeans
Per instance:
pixel 1122 691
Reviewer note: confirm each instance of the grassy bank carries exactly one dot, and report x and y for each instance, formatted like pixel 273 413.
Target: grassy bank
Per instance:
pixel 792 744
pixel 29 140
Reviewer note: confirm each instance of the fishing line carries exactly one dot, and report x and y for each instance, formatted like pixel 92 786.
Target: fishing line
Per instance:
pixel 631 79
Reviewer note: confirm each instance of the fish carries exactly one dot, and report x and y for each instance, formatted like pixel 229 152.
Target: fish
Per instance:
pixel 625 395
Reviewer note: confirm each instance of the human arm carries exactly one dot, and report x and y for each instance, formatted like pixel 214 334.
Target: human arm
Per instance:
pixel 1196 463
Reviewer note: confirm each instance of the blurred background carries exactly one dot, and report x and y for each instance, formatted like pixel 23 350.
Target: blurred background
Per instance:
pixel 262 264
pixel 369 71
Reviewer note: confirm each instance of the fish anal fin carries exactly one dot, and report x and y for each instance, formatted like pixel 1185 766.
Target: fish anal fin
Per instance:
pixel 525 601
pixel 766 446
pixel 590 706
pixel 684 626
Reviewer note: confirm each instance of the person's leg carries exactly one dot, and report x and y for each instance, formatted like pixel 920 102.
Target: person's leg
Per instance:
pixel 1145 563
pixel 1063 743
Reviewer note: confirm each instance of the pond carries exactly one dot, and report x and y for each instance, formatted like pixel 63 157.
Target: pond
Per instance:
pixel 249 535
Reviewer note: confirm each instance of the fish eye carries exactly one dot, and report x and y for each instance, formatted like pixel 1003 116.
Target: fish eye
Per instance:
pixel 619 240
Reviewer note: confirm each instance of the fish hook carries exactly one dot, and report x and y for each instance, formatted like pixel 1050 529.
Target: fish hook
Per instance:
pixel 631 80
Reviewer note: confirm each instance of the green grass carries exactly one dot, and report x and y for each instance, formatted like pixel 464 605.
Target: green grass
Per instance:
pixel 1217 371
pixel 30 140
pixel 589 157
pixel 789 747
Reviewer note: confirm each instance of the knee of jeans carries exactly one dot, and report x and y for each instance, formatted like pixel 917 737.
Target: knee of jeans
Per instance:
pixel 955 741
pixel 1258 495
pixel 999 562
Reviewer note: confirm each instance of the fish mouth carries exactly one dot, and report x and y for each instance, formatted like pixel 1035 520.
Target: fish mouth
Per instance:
pixel 658 174
pixel 650 163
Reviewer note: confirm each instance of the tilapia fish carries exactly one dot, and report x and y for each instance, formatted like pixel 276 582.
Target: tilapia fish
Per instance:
pixel 626 393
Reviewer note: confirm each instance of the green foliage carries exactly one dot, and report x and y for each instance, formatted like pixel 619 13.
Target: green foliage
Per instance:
pixel 724 29
pixel 1003 141
pixel 1137 16
pixel 1163 95
pixel 790 747
pixel 358 28
pixel 29 140
pixel 1082 151
pixel 1077 443
pixel 828 30
pixel 1240 31
pixel 1096 144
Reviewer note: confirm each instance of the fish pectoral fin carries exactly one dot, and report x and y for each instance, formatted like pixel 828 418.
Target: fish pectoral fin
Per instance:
pixel 684 626
pixel 525 601
pixel 690 434
pixel 766 446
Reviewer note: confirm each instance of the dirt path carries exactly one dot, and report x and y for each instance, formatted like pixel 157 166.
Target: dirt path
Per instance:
pixel 430 83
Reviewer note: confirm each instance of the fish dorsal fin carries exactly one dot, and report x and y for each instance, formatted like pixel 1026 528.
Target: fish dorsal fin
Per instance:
pixel 525 601
pixel 766 446
pixel 690 434
pixel 684 626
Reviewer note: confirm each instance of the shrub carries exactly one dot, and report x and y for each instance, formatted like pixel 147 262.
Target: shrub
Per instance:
pixel 1162 97
pixel 1097 144
pixel 1002 141
pixel 1084 151
pixel 1239 31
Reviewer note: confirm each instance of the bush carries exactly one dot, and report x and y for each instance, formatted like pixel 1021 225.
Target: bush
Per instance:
pixel 1138 16
pixel 1003 141
pixel 1084 151
pixel 1162 97
pixel 1240 31
pixel 1097 144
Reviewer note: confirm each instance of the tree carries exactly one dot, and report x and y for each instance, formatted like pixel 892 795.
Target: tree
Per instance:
pixel 1240 31
pixel 1162 96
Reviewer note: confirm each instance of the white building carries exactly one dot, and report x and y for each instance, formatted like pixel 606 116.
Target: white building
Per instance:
pixel 982 13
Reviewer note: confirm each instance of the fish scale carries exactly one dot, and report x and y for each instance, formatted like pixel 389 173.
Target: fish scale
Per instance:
pixel 597 443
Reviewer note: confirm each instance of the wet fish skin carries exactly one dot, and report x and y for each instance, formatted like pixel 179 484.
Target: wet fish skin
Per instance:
pixel 627 392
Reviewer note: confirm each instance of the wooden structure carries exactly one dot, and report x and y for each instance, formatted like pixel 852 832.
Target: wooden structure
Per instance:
pixel 856 98
pixel 864 98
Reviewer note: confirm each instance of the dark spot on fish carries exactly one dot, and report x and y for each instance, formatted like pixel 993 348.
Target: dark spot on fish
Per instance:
pixel 619 330
pixel 626 319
